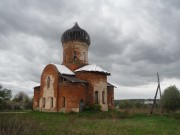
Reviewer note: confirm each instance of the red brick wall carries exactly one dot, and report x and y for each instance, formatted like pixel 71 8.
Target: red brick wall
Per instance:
pixel 68 54
pixel 92 78
pixel 36 97
pixel 50 70
pixel 111 97
pixel 73 93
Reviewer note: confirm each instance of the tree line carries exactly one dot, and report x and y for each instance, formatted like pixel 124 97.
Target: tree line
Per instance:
pixel 20 101
pixel 169 101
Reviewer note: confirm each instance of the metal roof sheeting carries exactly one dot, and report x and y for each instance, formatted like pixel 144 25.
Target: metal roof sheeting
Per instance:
pixel 73 79
pixel 64 70
pixel 92 68
pixel 76 33
pixel 110 85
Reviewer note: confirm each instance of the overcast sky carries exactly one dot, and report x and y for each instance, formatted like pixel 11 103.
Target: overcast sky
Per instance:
pixel 132 39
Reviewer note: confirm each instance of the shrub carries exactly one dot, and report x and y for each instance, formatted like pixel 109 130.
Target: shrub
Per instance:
pixel 170 100
pixel 96 107
pixel 138 105
pixel 125 104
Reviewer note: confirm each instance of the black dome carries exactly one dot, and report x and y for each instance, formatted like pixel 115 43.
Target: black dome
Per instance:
pixel 75 33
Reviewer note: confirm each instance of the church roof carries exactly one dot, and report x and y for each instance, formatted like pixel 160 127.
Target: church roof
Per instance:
pixel 110 85
pixel 37 87
pixel 75 33
pixel 64 70
pixel 92 68
pixel 73 79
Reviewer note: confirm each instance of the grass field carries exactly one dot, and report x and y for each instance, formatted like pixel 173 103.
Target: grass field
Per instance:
pixel 89 123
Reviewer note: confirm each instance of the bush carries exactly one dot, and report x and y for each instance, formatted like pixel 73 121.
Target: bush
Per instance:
pixel 96 107
pixel 170 100
pixel 5 96
pixel 138 105
pixel 125 104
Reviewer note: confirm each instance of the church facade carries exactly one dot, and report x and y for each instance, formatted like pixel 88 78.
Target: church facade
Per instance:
pixel 74 84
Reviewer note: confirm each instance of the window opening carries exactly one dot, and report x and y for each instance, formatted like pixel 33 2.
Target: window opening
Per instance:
pixel 38 102
pixel 81 105
pixel 96 97
pixel 65 56
pixel 63 102
pixel 103 97
pixel 44 102
pixel 74 55
pixel 51 102
pixel 48 82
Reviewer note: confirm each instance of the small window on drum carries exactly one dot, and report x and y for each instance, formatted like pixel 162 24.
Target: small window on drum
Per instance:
pixel 65 57
pixel 75 55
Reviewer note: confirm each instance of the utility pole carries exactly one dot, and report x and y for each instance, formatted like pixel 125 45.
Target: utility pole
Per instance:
pixel 158 89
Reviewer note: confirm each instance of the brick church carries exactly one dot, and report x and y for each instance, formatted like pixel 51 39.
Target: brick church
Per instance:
pixel 74 84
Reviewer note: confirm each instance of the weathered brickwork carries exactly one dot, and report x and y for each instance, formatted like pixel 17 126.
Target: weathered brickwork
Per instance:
pixel 48 92
pixel 96 82
pixel 62 89
pixel 36 97
pixel 111 97
pixel 73 94
pixel 75 54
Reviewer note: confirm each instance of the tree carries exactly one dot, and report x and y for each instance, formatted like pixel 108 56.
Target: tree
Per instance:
pixel 20 97
pixel 170 99
pixel 125 104
pixel 138 105
pixel 5 96
pixel 22 101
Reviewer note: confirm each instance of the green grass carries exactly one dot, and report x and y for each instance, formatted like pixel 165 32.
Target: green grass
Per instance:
pixel 89 123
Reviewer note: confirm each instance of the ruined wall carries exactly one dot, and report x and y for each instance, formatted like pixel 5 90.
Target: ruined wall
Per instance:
pixel 73 94
pixel 97 82
pixel 49 93
pixel 111 97
pixel 81 49
pixel 36 97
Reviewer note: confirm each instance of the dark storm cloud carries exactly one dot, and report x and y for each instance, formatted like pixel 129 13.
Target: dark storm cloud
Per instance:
pixel 154 46
pixel 131 39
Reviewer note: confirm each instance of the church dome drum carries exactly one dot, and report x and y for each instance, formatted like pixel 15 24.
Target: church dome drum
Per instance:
pixel 75 33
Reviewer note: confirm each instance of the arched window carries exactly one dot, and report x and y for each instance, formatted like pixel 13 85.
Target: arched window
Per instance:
pixel 63 102
pixel 44 102
pixel 81 105
pixel 48 82
pixel 103 97
pixel 65 56
pixel 96 97
pixel 74 55
pixel 51 102
pixel 38 102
